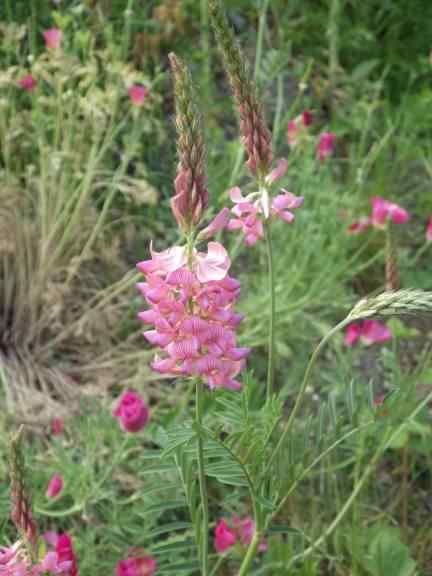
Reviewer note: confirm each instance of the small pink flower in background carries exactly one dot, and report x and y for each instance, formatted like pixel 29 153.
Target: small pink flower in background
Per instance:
pixel 55 486
pixel 359 225
pixel 218 223
pixel 53 38
pixel 136 566
pixel 245 529
pixel 326 145
pixel 57 426
pixel 382 211
pixel 225 538
pixel 62 547
pixel 137 94
pixel 28 83
pixel 131 411
pixel 296 127
pixel 368 331
pixel 429 230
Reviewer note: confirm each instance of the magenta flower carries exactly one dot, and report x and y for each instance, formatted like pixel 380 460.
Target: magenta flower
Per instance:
pixel 53 38
pixel 55 486
pixel 14 561
pixel 224 537
pixel 326 145
pixel 368 331
pixel 57 426
pixel 65 552
pixel 136 566
pixel 191 310
pixel 131 411
pixel 245 529
pixel 429 230
pixel 382 211
pixel 137 94
pixel 28 83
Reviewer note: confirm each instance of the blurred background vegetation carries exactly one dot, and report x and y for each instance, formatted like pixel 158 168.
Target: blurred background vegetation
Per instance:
pixel 85 183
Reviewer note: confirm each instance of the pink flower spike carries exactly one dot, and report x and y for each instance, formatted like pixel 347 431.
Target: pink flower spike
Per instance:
pixel 359 225
pixel 66 553
pixel 57 426
pixel 382 210
pixel 224 537
pixel 373 332
pixel 53 38
pixel 214 265
pixel 429 230
pixel 55 486
pixel 218 223
pixel 136 566
pixel 278 172
pixel 131 411
pixel 326 145
pixel 28 83
pixel 352 334
pixel 137 94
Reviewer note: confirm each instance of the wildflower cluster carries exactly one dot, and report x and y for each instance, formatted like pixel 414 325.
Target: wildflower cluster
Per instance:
pixel 240 530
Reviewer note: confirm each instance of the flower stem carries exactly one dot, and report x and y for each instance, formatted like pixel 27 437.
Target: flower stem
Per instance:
pixel 271 283
pixel 250 554
pixel 202 482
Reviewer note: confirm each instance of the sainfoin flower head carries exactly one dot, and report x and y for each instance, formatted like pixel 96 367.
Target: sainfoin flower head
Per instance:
pixel 326 145
pixel 28 83
pixel 241 530
pixel 224 537
pixel 368 331
pixel 131 411
pixel 136 566
pixel 53 38
pixel 55 486
pixel 384 211
pixel 191 310
pixel 137 94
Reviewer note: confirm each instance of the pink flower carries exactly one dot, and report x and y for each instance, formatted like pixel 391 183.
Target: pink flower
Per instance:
pixel 429 230
pixel 66 553
pixel 224 537
pixel 382 211
pixel 28 83
pixel 136 566
pixel 191 310
pixel 296 127
pixel 245 529
pixel 53 38
pixel 248 209
pixel 131 411
pixel 57 426
pixel 326 145
pixel 55 486
pixel 137 94
pixel 368 331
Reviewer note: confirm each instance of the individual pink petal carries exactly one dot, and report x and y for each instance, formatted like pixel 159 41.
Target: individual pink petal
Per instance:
pixel 165 261
pixel 55 486
pixel 224 537
pixel 287 200
pixel 218 223
pixel 278 172
pixel 214 265
pixel 373 332
pixel 398 215
pixel 237 196
pixel 429 230
pixel 53 38
pixel 359 225
pixel 352 334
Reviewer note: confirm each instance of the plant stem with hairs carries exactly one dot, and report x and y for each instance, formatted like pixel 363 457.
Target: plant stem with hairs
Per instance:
pixel 272 312
pixel 202 481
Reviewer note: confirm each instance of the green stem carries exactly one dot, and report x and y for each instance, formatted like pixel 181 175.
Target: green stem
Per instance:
pixel 302 391
pixel 250 554
pixel 202 481
pixel 271 283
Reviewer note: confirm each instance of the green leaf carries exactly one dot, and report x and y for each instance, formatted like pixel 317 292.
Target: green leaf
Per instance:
pixel 388 555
